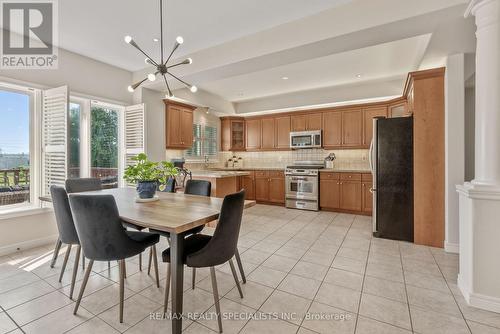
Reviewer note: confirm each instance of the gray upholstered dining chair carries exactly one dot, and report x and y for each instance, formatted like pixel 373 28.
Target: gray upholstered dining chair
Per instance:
pixel 202 251
pixel 67 231
pixel 77 185
pixel 103 237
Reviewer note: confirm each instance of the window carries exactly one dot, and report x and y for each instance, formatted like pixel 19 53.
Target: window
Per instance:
pixel 104 144
pixel 15 147
pixel 205 142
pixel 75 110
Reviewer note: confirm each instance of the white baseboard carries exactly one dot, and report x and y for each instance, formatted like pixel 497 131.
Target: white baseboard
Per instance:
pixel 478 300
pixel 451 247
pixel 21 246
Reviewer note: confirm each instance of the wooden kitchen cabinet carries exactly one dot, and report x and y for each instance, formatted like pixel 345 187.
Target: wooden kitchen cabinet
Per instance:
pixel 282 129
pixel 352 128
pixel 179 125
pixel 307 122
pixel 329 190
pixel 253 134
pixel 248 183
pixel 350 195
pixel 268 134
pixel 367 199
pixel 232 134
pixel 276 187
pixel 399 109
pixel 270 186
pixel 332 129
pixel 368 115
pixel 262 186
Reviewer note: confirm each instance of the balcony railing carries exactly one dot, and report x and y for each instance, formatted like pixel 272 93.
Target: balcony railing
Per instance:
pixel 14 186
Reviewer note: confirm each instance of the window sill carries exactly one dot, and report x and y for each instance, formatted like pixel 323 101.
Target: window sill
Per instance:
pixel 22 212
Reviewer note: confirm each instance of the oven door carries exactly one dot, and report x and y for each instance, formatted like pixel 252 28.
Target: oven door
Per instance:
pixel 301 187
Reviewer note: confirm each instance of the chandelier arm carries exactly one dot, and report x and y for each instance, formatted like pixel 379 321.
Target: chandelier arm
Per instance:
pixel 138 83
pixel 179 79
pixel 168 87
pixel 161 31
pixel 134 44
pixel 171 53
pixel 174 65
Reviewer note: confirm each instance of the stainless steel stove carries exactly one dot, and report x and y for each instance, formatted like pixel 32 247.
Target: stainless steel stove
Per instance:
pixel 302 185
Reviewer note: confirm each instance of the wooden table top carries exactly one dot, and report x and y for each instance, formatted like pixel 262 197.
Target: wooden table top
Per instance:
pixel 174 213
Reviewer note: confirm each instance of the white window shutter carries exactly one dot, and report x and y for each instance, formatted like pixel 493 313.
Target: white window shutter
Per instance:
pixel 54 137
pixel 135 142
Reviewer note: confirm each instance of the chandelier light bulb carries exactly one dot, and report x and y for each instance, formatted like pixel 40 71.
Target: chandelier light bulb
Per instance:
pixel 130 89
pixel 179 40
pixel 128 39
pixel 146 60
pixel 151 77
pixel 193 89
pixel 189 61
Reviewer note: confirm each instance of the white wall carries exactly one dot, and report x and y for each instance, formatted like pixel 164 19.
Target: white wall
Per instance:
pixel 454 146
pixel 155 123
pixel 83 75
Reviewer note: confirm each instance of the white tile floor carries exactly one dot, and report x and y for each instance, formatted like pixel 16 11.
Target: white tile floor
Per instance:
pixel 301 267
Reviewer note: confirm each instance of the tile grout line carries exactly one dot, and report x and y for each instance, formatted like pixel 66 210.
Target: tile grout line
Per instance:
pixel 452 294
pixel 11 319
pixel 406 289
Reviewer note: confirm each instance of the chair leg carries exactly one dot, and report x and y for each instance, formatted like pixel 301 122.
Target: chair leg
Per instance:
pixel 155 265
pixel 83 261
pixel 109 266
pixel 65 262
pixel 122 289
pixel 216 297
pixel 75 271
pixel 124 268
pixel 193 280
pixel 240 266
pixel 84 284
pixel 167 289
pixel 150 260
pixel 140 262
pixel 235 276
pixel 57 247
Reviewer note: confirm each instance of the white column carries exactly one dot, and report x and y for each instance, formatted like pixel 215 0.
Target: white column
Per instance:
pixel 487 159
pixel 479 204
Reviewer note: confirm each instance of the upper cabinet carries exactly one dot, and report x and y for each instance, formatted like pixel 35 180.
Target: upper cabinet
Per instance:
pixel 368 115
pixel 233 134
pixel 399 109
pixel 332 129
pixel 179 125
pixel 282 132
pixel 268 134
pixel 352 128
pixel 307 122
pixel 253 134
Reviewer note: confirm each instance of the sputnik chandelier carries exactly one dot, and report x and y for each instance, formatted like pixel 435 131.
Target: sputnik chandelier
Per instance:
pixel 161 67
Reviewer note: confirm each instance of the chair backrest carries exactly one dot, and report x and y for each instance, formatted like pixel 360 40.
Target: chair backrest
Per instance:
pixel 170 186
pixel 198 187
pixel 222 246
pixel 83 184
pixel 100 229
pixel 64 218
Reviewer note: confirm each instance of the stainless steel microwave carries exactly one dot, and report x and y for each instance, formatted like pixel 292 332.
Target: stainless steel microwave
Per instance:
pixel 305 139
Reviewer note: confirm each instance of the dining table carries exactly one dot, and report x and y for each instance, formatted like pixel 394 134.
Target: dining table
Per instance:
pixel 174 213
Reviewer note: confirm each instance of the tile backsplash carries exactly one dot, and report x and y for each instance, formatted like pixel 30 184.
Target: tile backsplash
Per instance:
pixel 346 159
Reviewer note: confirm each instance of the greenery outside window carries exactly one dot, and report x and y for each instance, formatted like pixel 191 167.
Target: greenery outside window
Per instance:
pixel 205 143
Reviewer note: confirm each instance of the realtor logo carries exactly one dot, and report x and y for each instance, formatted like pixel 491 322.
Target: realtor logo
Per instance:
pixel 29 34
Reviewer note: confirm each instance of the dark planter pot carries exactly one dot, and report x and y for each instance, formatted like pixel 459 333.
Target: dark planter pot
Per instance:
pixel 146 189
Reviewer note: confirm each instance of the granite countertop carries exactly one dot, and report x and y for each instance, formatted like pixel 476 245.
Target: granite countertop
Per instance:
pixel 218 174
pixel 335 170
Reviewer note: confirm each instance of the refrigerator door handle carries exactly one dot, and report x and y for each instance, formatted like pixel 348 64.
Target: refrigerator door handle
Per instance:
pixel 370 156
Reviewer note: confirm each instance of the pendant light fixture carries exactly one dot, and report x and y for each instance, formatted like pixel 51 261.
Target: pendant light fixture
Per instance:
pixel 162 67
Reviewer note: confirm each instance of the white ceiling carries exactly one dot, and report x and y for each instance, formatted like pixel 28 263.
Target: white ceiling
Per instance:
pixel 383 60
pixel 95 28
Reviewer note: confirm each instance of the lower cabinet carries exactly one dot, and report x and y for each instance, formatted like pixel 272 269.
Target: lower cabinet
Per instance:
pixel 270 186
pixel 349 192
pixel 248 183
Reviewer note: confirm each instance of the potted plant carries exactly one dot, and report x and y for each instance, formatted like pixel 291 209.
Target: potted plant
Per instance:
pixel 148 174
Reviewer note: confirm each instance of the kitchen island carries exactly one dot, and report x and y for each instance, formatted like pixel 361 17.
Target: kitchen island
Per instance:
pixel 223 182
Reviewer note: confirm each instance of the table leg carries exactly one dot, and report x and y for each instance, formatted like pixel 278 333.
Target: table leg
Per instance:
pixel 177 268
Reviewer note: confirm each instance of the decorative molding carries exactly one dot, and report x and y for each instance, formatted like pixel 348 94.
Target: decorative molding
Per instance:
pixel 474 5
pixel 424 74
pixel 451 247
pixel 478 191
pixel 25 245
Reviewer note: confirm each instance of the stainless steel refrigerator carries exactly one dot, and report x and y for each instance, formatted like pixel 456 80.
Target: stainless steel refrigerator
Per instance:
pixel 391 161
